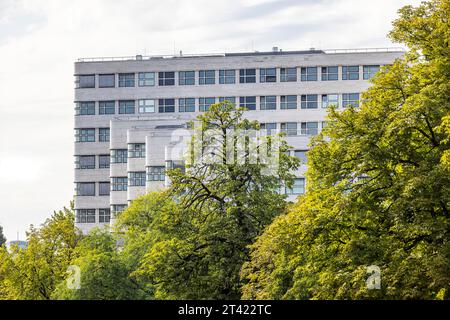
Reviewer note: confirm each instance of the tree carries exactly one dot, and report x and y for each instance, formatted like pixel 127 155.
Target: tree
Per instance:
pixel 104 274
pixel 378 186
pixel 32 273
pixel 2 237
pixel 198 232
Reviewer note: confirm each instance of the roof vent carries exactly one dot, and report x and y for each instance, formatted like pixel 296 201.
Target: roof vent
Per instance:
pixel 138 57
pixel 274 49
pixel 312 49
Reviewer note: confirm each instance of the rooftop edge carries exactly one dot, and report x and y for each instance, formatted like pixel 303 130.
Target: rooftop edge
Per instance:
pixel 275 51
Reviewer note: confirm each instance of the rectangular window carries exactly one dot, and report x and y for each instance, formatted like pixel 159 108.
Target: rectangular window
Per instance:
pixel 104 215
pixel 205 103
pixel 136 179
pixel 156 173
pixel 248 102
pixel 85 189
pixel 136 150
pixel 206 77
pixel 146 79
pixel 290 128
pixel 309 101
pixel 227 76
pixel 370 71
pixel 85 215
pixel 247 76
pixel 117 209
pixel 106 107
pixel 288 102
pixel 119 155
pixel 166 105
pixel 268 75
pixel 84 135
pixel 84 162
pixel 309 128
pixel 146 106
pixel 103 134
pixel 350 73
pixel 270 127
pixel 309 74
pixel 186 105
pixel 119 183
pixel 350 99
pixel 297 188
pixel 229 99
pixel 103 188
pixel 175 164
pixel 288 74
pixel 85 81
pixel 126 107
pixel 186 78
pixel 103 161
pixel 330 100
pixel 85 108
pixel 301 155
pixel 268 103
pixel 330 73
pixel 166 78
pixel 126 79
pixel 106 80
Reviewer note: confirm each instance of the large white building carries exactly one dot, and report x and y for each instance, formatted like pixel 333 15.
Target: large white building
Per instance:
pixel 126 110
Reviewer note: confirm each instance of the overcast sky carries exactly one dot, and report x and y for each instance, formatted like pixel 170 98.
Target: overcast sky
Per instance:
pixel 41 39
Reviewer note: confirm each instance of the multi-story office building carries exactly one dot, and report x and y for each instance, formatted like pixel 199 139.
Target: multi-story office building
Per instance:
pixel 127 110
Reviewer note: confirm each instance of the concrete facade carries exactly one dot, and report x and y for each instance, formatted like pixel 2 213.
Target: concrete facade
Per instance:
pixel 151 132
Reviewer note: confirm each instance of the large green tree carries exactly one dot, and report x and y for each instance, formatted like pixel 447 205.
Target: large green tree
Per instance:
pixel 198 232
pixel 33 273
pixel 104 273
pixel 378 186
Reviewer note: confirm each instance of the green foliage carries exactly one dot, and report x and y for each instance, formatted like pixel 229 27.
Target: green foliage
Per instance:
pixel 193 238
pixel 379 187
pixel 104 273
pixel 33 273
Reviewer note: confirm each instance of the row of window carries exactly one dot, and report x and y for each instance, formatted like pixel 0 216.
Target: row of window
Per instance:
pixel 104 215
pixel 225 76
pixel 137 150
pixel 138 179
pixel 270 102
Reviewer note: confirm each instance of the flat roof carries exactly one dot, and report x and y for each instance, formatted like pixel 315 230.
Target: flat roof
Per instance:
pixel 243 54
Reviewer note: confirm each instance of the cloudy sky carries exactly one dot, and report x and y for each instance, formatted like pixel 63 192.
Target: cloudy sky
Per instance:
pixel 40 40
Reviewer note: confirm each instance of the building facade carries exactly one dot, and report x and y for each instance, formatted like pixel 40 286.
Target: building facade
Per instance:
pixel 130 111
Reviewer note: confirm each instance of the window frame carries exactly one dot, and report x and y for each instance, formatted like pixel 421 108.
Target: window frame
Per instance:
pixel 142 79
pixel 143 106
pixel 308 74
pixel 224 78
pixel 286 77
pixel 184 80
pixel 347 72
pixel 263 102
pixel 288 105
pixel 165 107
pixel 127 80
pixel 183 107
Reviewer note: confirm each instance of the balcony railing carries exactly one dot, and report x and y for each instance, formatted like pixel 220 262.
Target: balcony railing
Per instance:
pixel 182 55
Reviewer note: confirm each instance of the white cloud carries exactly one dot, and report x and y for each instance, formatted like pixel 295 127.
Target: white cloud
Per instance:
pixel 40 40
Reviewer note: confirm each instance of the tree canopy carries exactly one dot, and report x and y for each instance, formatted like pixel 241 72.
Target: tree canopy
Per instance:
pixel 378 186
pixel 193 237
